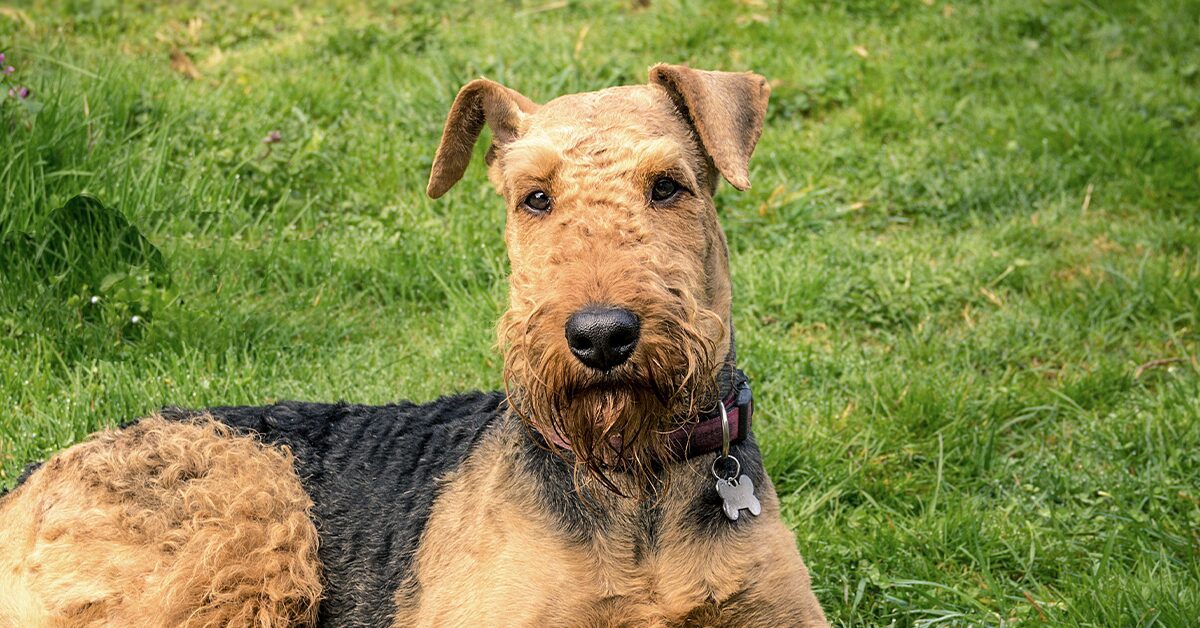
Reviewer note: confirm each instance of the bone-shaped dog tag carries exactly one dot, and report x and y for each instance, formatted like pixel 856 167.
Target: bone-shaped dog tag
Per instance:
pixel 737 495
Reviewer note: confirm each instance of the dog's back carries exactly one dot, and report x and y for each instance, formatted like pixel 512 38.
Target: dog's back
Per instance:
pixel 372 473
pixel 180 506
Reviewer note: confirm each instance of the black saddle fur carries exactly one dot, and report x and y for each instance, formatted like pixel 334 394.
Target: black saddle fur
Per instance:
pixel 372 473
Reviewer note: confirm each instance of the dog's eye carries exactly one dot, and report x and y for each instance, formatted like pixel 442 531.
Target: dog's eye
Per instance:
pixel 664 189
pixel 537 202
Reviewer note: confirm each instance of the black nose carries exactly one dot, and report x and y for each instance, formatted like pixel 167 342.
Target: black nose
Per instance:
pixel 603 337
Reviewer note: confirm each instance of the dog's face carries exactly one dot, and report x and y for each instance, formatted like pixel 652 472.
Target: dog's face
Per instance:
pixel 619 292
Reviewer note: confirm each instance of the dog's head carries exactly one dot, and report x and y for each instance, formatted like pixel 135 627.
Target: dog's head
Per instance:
pixel 619 293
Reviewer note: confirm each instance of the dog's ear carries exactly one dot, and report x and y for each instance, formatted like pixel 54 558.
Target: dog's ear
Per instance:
pixel 725 108
pixel 477 102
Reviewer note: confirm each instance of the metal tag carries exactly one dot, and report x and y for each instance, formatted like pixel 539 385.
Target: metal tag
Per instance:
pixel 737 495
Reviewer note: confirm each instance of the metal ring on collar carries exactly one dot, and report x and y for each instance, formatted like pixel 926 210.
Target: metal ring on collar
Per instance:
pixel 724 430
pixel 737 469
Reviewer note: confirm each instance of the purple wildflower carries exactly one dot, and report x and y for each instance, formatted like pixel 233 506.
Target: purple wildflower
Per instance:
pixel 3 58
pixel 9 69
pixel 273 137
pixel 21 92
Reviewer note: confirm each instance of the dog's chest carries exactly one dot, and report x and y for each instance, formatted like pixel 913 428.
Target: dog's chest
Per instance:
pixel 656 569
pixel 494 541
pixel 541 578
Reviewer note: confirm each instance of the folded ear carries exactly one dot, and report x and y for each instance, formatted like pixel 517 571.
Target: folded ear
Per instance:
pixel 477 102
pixel 725 108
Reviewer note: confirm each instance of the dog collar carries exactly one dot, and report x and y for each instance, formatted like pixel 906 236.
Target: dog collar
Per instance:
pixel 706 434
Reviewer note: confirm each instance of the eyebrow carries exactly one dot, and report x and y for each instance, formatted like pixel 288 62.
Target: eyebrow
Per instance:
pixel 659 155
pixel 533 161
pixel 663 156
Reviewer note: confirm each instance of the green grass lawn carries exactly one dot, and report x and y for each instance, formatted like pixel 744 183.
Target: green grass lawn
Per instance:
pixel 967 277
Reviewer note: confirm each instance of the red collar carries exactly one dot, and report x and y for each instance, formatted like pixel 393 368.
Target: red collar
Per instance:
pixel 704 435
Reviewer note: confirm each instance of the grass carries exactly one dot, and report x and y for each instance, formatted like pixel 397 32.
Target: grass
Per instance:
pixel 967 276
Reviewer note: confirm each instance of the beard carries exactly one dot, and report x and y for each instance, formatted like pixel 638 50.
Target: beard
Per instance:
pixel 612 426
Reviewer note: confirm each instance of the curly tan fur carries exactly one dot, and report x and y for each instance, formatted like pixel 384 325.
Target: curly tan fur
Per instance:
pixel 160 524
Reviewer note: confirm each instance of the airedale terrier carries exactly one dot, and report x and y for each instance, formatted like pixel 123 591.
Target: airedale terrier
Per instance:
pixel 615 480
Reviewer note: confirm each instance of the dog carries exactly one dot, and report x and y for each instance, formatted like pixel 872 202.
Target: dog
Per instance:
pixel 615 481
